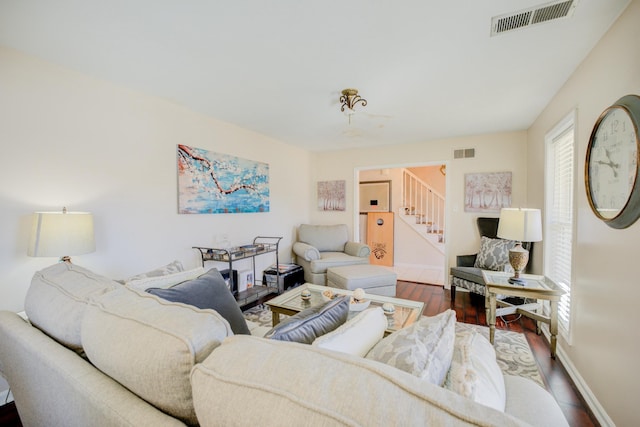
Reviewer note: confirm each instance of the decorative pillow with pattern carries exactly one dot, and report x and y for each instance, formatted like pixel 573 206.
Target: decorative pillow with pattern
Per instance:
pixel 423 349
pixel 494 253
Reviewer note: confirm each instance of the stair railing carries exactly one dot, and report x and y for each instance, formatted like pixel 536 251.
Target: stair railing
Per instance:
pixel 423 201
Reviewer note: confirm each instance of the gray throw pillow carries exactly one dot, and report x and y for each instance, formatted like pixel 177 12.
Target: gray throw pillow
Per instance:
pixel 313 322
pixel 207 291
pixel 494 253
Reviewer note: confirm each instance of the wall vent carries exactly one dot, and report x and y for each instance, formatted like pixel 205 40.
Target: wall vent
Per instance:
pixel 532 16
pixel 464 153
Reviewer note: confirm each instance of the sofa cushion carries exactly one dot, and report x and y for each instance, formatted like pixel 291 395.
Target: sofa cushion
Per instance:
pixel 57 299
pixel 324 237
pixel 313 322
pixel 275 383
pixel 474 372
pixel 150 345
pixel 423 349
pixel 494 253
pixel 167 280
pixel 358 335
pixel 207 291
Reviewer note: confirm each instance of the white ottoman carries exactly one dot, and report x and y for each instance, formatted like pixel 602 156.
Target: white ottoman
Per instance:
pixel 374 279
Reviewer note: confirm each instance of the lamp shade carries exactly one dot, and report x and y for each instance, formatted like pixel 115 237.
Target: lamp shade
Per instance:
pixel 61 233
pixel 522 225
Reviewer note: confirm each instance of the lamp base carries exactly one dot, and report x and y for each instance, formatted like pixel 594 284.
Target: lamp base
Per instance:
pixel 518 258
pixel 517 281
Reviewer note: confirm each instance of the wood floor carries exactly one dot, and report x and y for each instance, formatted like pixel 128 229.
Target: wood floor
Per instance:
pixel 437 299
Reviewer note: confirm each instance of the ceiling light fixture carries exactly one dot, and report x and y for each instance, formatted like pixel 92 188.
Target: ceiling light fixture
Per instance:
pixel 349 99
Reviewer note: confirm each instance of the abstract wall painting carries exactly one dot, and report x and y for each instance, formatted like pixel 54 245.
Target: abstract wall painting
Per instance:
pixel 332 195
pixel 214 183
pixel 487 192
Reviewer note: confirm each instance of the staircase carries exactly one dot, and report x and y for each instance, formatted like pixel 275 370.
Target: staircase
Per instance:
pixel 423 209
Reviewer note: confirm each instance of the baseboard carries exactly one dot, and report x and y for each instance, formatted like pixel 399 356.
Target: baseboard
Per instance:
pixel 584 390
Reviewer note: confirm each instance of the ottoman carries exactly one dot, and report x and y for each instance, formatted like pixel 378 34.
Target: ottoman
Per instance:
pixel 374 279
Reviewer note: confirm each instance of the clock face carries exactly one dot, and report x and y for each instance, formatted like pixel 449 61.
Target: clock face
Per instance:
pixel 612 162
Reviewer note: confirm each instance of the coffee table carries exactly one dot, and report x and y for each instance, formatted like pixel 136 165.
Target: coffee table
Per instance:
pixel 290 303
pixel 536 287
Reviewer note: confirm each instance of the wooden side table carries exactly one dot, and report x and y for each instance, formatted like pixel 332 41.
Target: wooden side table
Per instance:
pixel 536 287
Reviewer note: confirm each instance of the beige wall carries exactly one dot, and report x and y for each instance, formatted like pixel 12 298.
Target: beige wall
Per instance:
pixel 70 140
pixel 606 289
pixel 495 152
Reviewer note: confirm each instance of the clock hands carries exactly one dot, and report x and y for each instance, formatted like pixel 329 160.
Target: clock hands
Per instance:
pixel 610 163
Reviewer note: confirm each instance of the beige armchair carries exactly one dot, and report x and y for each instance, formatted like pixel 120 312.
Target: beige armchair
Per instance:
pixel 320 247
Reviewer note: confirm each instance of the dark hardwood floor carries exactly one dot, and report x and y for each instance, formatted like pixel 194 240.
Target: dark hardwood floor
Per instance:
pixel 437 299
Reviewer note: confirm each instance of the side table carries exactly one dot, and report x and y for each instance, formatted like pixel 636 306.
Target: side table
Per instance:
pixel 536 287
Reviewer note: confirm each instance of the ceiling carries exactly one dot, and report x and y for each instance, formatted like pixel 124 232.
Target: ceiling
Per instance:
pixel 428 69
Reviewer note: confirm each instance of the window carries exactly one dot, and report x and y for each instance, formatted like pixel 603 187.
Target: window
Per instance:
pixel 559 214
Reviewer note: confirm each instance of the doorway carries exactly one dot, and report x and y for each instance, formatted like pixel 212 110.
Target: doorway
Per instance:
pixel 419 238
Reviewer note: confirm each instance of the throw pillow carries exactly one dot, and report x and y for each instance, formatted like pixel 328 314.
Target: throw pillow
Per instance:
pixel 313 322
pixel 207 291
pixel 358 335
pixel 423 349
pixel 172 267
pixel 474 371
pixel 165 281
pixel 494 253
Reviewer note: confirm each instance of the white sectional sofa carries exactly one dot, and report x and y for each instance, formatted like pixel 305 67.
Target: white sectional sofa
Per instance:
pixel 105 354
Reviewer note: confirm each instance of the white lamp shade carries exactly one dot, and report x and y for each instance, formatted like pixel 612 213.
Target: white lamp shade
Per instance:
pixel 522 225
pixel 61 234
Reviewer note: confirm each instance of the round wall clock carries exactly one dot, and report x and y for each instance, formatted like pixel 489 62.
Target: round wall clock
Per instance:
pixel 611 168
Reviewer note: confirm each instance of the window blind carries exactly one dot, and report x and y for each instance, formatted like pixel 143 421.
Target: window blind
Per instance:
pixel 559 217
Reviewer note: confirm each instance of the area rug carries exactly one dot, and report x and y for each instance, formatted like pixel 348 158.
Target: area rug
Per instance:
pixel 513 353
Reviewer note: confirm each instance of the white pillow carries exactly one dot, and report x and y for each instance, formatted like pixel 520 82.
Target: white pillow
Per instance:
pixel 165 281
pixel 358 335
pixel 423 349
pixel 474 371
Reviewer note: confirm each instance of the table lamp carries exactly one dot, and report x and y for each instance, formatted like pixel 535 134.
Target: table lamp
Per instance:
pixel 521 225
pixel 61 233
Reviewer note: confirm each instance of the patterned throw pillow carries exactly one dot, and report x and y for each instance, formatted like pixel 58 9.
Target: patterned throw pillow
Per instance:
pixel 494 253
pixel 423 349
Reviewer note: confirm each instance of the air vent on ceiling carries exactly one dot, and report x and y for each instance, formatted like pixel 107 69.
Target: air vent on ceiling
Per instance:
pixel 464 153
pixel 532 16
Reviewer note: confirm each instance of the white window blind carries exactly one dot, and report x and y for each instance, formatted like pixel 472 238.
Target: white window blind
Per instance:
pixel 558 238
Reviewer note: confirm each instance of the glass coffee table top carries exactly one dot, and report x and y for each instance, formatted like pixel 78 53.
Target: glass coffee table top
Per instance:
pixel 289 303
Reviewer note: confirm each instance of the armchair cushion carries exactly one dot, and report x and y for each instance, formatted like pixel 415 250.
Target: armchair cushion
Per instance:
pixel 472 274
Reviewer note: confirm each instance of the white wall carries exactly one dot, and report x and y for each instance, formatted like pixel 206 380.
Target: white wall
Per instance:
pixel 605 290
pixel 494 153
pixel 71 140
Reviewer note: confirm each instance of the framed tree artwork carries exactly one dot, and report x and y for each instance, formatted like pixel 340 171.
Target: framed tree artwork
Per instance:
pixel 487 192
pixel 332 195
pixel 214 183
